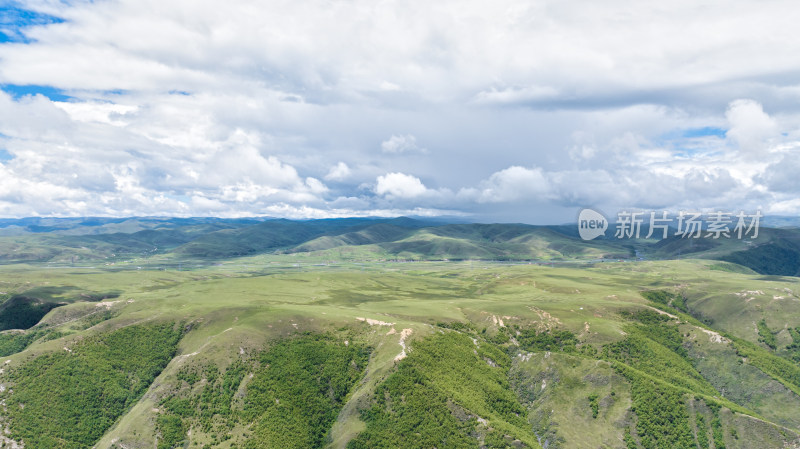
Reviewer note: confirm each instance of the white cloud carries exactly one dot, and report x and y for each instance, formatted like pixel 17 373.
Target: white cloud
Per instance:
pixel 316 186
pixel 388 86
pixel 338 172
pixel 399 185
pixel 253 108
pixel 511 184
pixel 401 144
pixel 516 95
pixel 785 207
pixel 440 51
pixel 782 175
pixel 750 126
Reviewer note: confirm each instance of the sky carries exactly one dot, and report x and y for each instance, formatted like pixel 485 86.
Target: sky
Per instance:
pixel 503 111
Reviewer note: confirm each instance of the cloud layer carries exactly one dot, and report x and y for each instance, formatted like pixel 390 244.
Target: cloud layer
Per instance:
pixel 517 110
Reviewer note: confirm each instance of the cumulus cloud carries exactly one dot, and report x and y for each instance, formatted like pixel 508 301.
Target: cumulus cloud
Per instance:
pixel 338 172
pixel 614 188
pixel 254 109
pixel 401 144
pixel 439 52
pixel 511 184
pixel 399 185
pixel 316 186
pixel 587 187
pixel 95 158
pixel 750 127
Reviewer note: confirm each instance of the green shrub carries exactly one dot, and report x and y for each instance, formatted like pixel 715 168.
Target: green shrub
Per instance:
pixel 594 404
pixel 659 296
pixel 767 337
pixel 629 440
pixel 702 431
pixel 172 431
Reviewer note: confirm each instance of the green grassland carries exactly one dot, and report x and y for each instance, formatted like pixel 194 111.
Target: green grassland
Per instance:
pixel 304 349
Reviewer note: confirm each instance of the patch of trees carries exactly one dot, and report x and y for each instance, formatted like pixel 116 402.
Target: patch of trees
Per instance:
pixel 777 367
pixel 659 328
pixel 172 430
pixel 553 340
pixel 436 395
pixel 716 427
pixel 67 399
pixel 666 298
pixel 629 440
pixel 22 312
pixel 660 296
pixel 776 258
pixel 702 431
pixel 658 367
pixel 410 412
pixel 14 343
pixel 297 389
pixel 794 347
pixel 654 346
pixel 210 410
pixel 457 325
pixel 95 318
pixel 300 387
pixel 662 419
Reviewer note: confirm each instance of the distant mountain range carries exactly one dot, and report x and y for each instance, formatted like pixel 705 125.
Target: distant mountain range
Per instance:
pixel 61 240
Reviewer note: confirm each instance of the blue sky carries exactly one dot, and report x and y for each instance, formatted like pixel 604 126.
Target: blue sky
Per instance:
pixel 14 18
pixel 17 91
pixel 503 111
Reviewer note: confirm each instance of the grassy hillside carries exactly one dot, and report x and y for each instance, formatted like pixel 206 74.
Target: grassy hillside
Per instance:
pixel 378 233
pixel 273 235
pixel 451 391
pixel 470 354
pixel 293 393
pixel 775 251
pixel 69 398
pixel 466 241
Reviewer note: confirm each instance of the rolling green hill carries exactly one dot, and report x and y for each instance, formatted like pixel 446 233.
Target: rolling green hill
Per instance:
pixel 379 233
pixel 258 352
pixel 169 242
pixel 263 237
pixel 775 251
pixel 396 333
pixel 469 241
pixel 779 255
